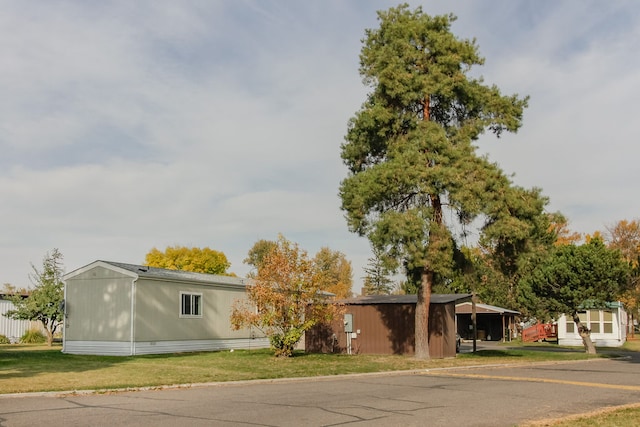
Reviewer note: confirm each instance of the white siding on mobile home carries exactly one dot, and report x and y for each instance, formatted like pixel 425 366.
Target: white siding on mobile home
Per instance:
pixel 126 309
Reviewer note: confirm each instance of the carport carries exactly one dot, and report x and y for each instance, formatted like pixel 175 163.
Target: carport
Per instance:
pixel 493 323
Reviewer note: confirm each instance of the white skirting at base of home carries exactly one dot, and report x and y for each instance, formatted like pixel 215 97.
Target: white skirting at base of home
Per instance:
pixel 125 348
pixel 598 342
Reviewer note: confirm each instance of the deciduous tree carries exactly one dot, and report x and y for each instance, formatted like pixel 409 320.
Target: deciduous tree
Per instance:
pixel 564 235
pixel 574 278
pixel 45 301
pixel 257 253
pixel 625 237
pixel 409 149
pixel 285 299
pixel 197 260
pixel 335 272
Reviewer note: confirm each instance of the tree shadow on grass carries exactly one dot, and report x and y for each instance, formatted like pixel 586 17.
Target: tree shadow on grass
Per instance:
pixel 24 361
pixel 41 369
pixel 536 353
pixel 493 353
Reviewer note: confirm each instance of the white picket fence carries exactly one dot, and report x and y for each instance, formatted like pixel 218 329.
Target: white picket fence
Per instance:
pixel 14 329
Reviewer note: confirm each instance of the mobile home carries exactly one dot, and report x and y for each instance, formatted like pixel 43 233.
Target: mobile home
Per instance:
pixel 125 309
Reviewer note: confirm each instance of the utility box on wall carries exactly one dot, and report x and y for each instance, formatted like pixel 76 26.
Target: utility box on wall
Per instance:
pixel 348 322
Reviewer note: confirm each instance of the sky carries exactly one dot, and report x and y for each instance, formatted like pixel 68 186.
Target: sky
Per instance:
pixel 127 126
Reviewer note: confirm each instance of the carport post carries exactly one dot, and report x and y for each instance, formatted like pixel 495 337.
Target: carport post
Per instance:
pixel 473 320
pixel 504 335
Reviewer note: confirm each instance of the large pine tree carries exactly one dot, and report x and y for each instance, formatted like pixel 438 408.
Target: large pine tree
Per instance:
pixel 410 150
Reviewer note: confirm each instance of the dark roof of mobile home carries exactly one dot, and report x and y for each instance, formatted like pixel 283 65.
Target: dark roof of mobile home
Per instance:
pixel 163 274
pixel 405 299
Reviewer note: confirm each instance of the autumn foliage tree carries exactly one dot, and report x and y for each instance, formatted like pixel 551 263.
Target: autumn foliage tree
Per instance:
pixel 625 237
pixel 285 298
pixel 564 235
pixel 257 254
pixel 336 274
pixel 197 260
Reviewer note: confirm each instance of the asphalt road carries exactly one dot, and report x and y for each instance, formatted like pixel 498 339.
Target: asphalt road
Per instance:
pixel 479 396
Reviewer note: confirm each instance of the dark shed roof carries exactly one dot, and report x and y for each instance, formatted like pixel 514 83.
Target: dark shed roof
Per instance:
pixel 405 299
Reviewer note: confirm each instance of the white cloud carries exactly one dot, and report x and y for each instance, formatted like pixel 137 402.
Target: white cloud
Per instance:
pixel 125 126
pixel 576 141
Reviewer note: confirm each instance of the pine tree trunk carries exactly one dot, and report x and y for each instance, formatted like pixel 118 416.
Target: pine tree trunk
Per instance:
pixel 422 315
pixel 426 278
pixel 426 284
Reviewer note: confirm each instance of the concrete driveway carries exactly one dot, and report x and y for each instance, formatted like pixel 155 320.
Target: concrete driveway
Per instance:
pixel 479 396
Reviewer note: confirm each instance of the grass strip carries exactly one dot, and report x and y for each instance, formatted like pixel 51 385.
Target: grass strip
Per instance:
pixel 32 368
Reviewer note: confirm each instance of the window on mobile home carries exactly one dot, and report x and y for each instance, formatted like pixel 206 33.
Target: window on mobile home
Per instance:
pixel 190 304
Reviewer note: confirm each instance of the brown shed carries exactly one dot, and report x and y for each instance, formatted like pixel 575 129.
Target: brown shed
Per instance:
pixel 385 324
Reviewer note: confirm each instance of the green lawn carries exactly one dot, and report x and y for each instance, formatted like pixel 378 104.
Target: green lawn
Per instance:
pixel 31 368
pixel 628 415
